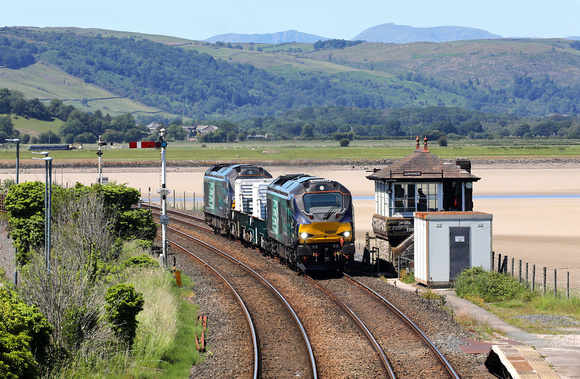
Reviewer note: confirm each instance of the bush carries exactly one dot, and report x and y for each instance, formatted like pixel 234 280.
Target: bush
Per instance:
pixel 490 286
pixel 123 305
pixel 24 336
pixel 344 142
pixel 141 261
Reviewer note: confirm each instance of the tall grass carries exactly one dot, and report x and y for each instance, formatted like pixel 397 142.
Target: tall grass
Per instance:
pixel 164 346
pixel 158 321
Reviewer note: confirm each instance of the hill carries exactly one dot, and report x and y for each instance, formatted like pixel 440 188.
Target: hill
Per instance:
pixel 392 33
pixel 201 80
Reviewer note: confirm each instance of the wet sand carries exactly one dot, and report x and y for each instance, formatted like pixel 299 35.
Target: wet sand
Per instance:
pixel 544 232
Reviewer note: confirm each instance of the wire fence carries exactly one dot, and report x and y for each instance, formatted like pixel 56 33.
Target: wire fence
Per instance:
pixel 178 200
pixel 546 280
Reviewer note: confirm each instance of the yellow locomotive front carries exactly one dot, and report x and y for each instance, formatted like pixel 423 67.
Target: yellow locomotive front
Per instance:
pixel 324 225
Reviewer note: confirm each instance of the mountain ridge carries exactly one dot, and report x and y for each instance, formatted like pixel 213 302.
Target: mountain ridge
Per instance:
pixel 385 33
pixel 278 37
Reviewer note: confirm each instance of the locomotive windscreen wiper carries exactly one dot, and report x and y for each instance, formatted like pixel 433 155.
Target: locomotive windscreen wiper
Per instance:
pixel 329 213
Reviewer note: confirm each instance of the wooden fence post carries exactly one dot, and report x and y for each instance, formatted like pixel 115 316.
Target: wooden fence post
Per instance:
pixel 544 281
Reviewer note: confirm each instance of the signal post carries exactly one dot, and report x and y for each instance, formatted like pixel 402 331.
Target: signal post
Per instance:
pixel 160 144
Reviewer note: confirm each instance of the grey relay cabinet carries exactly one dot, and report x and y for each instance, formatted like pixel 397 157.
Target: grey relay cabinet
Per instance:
pixel 448 242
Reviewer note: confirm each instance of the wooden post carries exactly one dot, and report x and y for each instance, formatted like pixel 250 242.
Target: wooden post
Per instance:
pixel 173 198
pixel 513 264
pixel 527 282
pixel 533 278
pixel 184 200
pixel 544 281
pixel 499 263
pixel 492 260
pixel 520 272
pixel 555 283
pixel 194 204
pixel 568 285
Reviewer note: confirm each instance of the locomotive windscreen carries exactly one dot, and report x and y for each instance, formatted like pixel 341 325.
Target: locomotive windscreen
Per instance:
pixel 322 202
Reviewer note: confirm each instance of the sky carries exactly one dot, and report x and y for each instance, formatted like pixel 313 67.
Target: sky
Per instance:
pixel 199 20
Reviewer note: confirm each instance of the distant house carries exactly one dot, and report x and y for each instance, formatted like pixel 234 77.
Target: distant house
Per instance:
pixel 193 131
pixel 202 129
pixel 153 126
pixel 258 136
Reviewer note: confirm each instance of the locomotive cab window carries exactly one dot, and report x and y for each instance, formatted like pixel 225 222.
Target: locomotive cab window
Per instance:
pixel 322 202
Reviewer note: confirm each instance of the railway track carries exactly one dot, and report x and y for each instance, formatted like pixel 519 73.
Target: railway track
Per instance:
pixel 284 349
pixel 406 355
pixel 404 350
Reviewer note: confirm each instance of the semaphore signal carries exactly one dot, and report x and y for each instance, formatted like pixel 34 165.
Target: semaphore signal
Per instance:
pixel 164 219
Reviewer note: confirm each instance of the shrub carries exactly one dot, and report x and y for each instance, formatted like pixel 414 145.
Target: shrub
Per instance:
pixel 344 142
pixel 490 286
pixel 123 305
pixel 24 336
pixel 141 261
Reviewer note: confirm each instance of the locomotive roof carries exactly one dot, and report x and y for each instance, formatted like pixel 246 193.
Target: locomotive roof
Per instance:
pixel 232 170
pixel 293 183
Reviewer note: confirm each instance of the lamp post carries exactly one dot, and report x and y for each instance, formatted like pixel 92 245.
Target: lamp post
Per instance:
pixel 17 140
pixel 47 206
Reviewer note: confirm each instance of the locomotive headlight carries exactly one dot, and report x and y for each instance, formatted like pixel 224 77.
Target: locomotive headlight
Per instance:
pixel 345 234
pixel 305 235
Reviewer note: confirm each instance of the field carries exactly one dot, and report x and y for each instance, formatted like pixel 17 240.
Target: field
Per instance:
pixel 313 151
pixel 46 82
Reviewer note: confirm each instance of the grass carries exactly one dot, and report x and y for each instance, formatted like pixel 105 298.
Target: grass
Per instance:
pixel 167 326
pixel 512 301
pixel 45 82
pixel 313 151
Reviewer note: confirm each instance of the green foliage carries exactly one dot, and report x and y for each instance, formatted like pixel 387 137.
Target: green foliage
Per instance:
pixel 335 44
pixel 136 223
pixel 407 277
pixel 24 336
pixel 344 142
pixel 123 305
pixel 25 205
pixel 79 321
pixel 141 261
pixel 490 286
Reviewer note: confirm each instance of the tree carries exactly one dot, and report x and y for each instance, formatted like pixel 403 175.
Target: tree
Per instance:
pixel 176 133
pixel 307 131
pixel 48 137
pixel 344 142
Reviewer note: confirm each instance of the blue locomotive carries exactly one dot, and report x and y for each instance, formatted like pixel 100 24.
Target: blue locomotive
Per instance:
pixel 306 221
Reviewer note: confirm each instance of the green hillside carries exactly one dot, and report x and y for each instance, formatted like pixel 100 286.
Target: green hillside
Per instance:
pixel 45 82
pixel 121 72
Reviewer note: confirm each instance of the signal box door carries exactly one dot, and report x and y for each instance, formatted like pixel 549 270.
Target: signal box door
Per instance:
pixel 459 250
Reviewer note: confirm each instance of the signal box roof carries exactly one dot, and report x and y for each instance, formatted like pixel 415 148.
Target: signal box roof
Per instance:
pixel 422 165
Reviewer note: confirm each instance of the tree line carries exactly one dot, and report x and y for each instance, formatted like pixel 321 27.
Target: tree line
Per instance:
pixel 329 122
